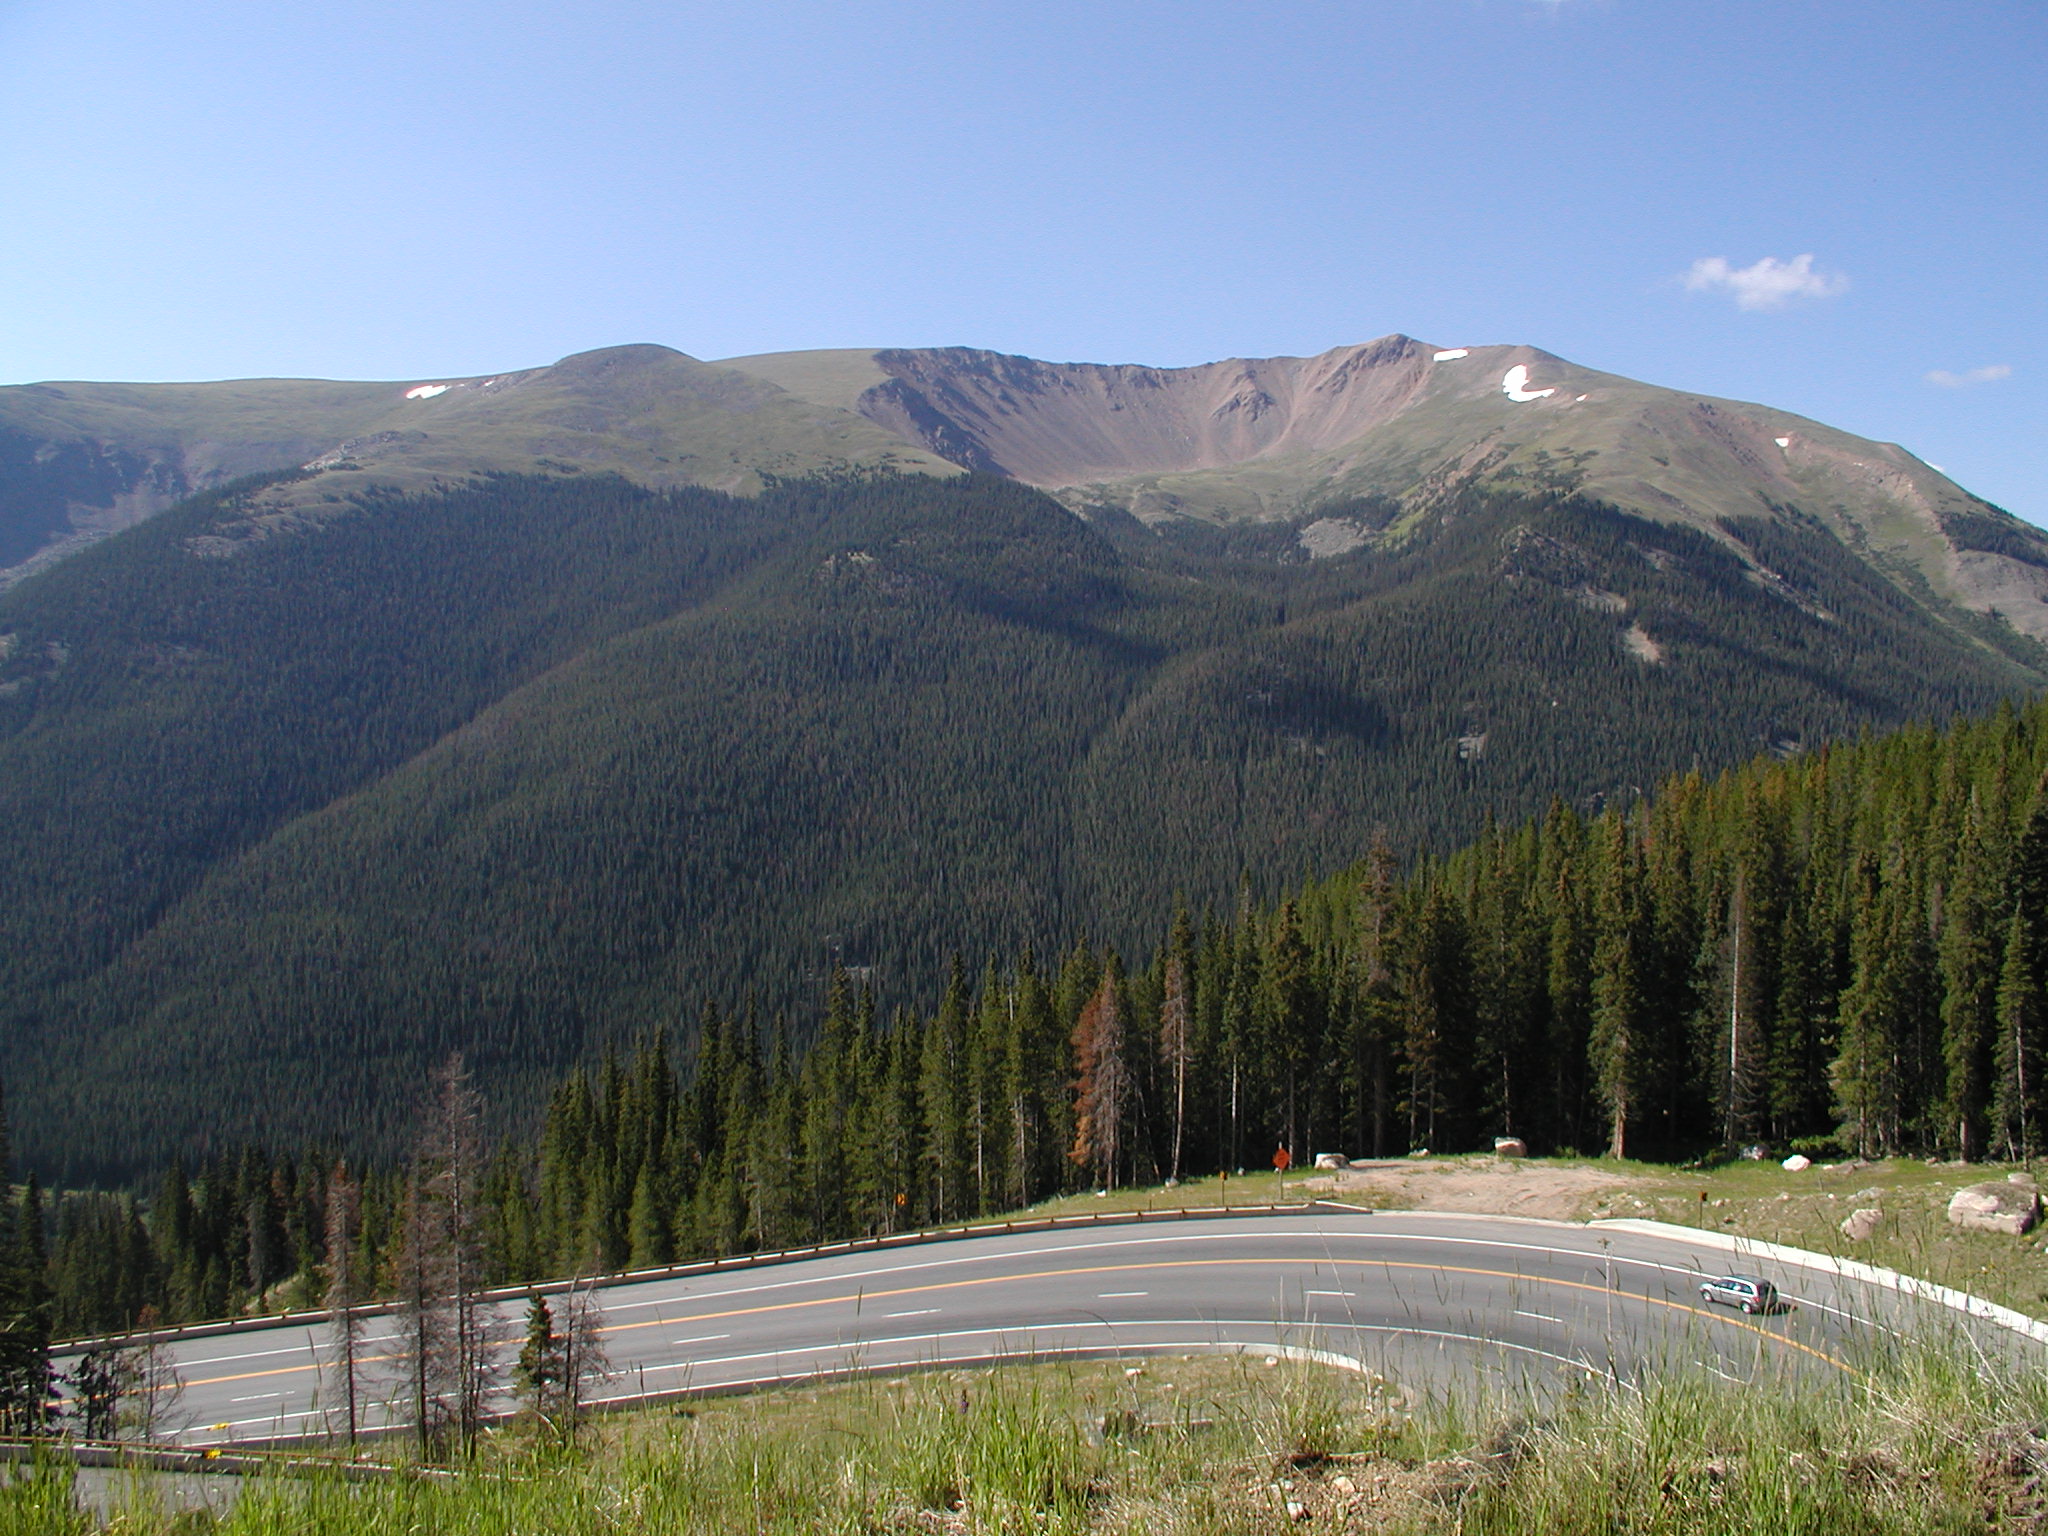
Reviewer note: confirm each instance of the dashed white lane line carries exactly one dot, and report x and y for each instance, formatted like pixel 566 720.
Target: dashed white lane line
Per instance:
pixel 918 1312
pixel 254 1354
pixel 1118 1295
pixel 1541 1317
pixel 1328 1293
pixel 701 1338
pixel 1011 1343
pixel 260 1397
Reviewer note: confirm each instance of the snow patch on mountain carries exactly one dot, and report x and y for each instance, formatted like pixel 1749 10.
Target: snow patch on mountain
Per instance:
pixel 1515 385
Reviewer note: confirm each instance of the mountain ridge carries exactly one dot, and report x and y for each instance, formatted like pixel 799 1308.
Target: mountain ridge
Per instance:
pixel 1301 439
pixel 1430 420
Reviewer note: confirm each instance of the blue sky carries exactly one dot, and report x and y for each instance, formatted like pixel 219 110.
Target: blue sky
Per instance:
pixel 383 190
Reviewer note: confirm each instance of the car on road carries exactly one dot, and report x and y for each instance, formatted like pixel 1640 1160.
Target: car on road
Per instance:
pixel 1745 1291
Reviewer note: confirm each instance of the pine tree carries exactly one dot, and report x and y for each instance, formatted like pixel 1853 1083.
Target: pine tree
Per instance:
pixel 944 1091
pixel 539 1371
pixel 1969 962
pixel 1616 1047
pixel 1294 1036
pixel 2020 1064
pixel 1372 1013
pixel 1436 1019
pixel 96 1386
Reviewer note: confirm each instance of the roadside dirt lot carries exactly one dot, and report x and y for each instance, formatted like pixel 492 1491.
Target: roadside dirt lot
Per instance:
pixel 1494 1186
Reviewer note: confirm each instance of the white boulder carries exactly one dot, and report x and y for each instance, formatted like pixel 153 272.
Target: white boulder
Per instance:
pixel 2000 1206
pixel 1510 1146
pixel 1858 1225
pixel 1332 1160
pixel 1798 1162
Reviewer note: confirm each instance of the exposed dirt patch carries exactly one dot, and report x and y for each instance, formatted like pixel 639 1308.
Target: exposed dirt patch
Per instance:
pixel 1494 1186
pixel 1639 643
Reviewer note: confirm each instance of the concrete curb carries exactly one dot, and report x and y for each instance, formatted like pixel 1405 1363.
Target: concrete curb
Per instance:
pixel 1847 1269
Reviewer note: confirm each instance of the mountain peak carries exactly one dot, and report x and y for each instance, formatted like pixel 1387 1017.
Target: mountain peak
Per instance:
pixel 632 356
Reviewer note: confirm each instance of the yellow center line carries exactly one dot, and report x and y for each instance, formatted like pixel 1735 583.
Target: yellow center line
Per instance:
pixel 1112 1269
pixel 863 1296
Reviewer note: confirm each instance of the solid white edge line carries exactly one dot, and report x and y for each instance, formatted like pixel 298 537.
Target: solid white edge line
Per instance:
pixel 1845 1269
pixel 1209 1345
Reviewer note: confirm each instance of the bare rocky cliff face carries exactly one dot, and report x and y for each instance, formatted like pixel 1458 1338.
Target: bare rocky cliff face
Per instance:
pixel 1398 421
pixel 1063 424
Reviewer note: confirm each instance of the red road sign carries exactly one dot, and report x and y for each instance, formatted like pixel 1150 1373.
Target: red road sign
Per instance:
pixel 1283 1160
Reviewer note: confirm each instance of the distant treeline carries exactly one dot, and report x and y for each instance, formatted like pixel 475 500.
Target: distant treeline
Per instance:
pixel 1846 950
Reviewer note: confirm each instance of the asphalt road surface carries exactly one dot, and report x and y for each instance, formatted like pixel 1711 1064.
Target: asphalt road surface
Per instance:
pixel 1420 1298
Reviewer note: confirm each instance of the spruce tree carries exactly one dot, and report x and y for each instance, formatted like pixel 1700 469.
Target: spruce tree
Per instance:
pixel 1616 1046
pixel 2020 1091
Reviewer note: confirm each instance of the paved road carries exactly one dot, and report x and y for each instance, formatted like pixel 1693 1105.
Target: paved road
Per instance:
pixel 1415 1296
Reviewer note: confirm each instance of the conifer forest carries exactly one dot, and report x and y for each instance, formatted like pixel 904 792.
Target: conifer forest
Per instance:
pixel 533 769
pixel 1845 950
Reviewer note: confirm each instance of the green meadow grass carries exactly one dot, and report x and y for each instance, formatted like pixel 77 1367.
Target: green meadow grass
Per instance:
pixel 1930 1440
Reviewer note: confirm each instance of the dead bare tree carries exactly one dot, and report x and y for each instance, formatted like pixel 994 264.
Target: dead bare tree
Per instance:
pixel 584 1362
pixel 446 1346
pixel 1102 1084
pixel 344 1289
pixel 148 1385
pixel 1176 1048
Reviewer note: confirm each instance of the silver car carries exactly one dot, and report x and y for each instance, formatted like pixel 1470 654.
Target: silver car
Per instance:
pixel 1745 1291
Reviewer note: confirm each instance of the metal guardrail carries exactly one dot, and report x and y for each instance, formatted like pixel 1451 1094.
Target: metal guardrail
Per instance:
pixel 128 1456
pixel 67 1347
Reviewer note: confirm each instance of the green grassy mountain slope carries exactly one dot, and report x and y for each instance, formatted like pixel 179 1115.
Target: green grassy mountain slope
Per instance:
pixel 78 461
pixel 521 766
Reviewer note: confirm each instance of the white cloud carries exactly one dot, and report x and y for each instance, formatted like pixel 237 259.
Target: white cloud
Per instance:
pixel 1768 284
pixel 1988 374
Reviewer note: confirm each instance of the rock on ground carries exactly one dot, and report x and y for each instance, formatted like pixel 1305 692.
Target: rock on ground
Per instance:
pixel 1998 1206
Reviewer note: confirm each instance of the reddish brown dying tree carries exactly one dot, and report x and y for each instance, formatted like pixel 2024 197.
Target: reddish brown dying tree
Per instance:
pixel 1101 1083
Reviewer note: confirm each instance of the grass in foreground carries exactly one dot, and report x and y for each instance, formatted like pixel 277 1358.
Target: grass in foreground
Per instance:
pixel 1214 1447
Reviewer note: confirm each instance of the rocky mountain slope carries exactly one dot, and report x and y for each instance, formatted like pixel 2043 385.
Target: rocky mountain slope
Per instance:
pixel 1393 425
pixel 1289 438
